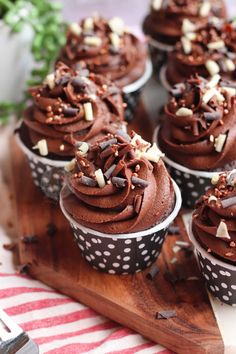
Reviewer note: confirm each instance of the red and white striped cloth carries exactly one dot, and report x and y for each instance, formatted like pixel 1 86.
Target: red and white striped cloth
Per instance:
pixel 61 325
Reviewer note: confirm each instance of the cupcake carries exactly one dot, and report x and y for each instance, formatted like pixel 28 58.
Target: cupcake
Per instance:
pixel 69 108
pixel 213 232
pixel 119 200
pixel 168 20
pixel 107 48
pixel 208 51
pixel 198 132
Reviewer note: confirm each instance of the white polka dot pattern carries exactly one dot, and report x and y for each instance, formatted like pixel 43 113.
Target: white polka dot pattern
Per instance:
pixel 221 282
pixel 191 186
pixel 119 255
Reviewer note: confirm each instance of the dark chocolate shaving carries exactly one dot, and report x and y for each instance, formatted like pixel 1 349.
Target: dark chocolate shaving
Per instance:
pixel 119 182
pixel 87 181
pixel 107 143
pixel 124 135
pixel 173 230
pixel 139 182
pixel 165 315
pixel 227 202
pixel 170 277
pixel 108 173
pixel 51 229
pixel 78 83
pixel 210 116
pixel 30 239
pixel 70 112
pixel 153 272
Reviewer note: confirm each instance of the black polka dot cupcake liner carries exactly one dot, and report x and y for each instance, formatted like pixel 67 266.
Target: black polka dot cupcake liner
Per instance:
pixel 192 183
pixel 122 253
pixel 132 92
pixel 159 54
pixel 47 174
pixel 219 276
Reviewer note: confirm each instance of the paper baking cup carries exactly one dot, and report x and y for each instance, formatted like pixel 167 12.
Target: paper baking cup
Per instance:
pixel 122 253
pixel 159 54
pixel 192 183
pixel 47 174
pixel 163 79
pixel 220 277
pixel 132 92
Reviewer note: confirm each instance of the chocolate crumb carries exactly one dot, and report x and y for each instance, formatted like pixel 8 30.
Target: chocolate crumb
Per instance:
pixel 153 272
pixel 165 315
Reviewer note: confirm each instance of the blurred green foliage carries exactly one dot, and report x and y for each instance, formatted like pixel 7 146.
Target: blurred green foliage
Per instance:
pixel 49 36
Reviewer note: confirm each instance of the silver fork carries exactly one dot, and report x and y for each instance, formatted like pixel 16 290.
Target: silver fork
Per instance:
pixel 13 339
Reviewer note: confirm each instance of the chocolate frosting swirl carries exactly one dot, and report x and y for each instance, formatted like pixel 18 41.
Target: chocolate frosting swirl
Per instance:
pixel 199 126
pixel 58 111
pixel 215 42
pixel 121 59
pixel 165 24
pixel 136 193
pixel 214 220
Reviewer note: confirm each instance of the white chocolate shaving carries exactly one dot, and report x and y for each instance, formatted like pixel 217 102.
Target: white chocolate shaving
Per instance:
pixel 100 178
pixel 188 26
pixel 191 36
pixel 214 81
pixel 209 94
pixel 83 148
pixel 115 40
pixel 70 165
pixel 212 139
pixel 88 24
pixel 75 28
pixel 137 140
pixel 42 146
pixel 93 41
pixel 216 45
pixel 156 4
pixel 88 111
pixel 212 67
pixel 50 80
pixel 186 44
pixel 212 198
pixel 153 153
pixel 229 64
pixel 222 231
pixel 215 179
pixel 184 112
pixel 219 142
pixel 205 9
pixel 230 90
pixel 117 25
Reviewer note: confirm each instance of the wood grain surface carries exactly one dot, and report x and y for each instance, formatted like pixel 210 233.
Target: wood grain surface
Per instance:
pixel 131 300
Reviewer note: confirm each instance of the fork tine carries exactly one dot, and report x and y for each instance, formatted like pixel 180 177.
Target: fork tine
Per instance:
pixel 14 329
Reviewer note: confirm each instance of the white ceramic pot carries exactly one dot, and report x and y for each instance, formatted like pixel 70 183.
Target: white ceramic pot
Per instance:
pixel 15 61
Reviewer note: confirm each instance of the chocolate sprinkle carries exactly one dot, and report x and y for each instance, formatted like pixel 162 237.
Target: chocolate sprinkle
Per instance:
pixel 153 272
pixel 139 182
pixel 164 315
pixel 108 172
pixel 119 182
pixel 87 181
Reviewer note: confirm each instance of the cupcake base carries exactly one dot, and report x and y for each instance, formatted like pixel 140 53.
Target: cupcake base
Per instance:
pixel 220 277
pixel 132 92
pixel 121 253
pixel 47 174
pixel 159 54
pixel 163 79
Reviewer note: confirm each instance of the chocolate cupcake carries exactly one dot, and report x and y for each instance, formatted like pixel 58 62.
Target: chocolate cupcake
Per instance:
pixel 169 20
pixel 113 200
pixel 70 107
pixel 213 232
pixel 107 48
pixel 198 132
pixel 208 51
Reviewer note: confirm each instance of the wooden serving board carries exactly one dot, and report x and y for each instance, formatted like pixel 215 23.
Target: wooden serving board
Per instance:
pixel 131 300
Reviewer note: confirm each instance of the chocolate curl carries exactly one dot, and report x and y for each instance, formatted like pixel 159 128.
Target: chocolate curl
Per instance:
pixel 160 315
pixel 153 272
pixel 119 167
pixel 227 202
pixel 211 116
pixel 139 182
pixel 107 143
pixel 87 181
pixel 85 166
pixel 70 112
pixel 195 128
pixel 119 182
pixel 109 161
pixel 125 150
pixel 108 173
pixel 110 150
pixel 137 203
